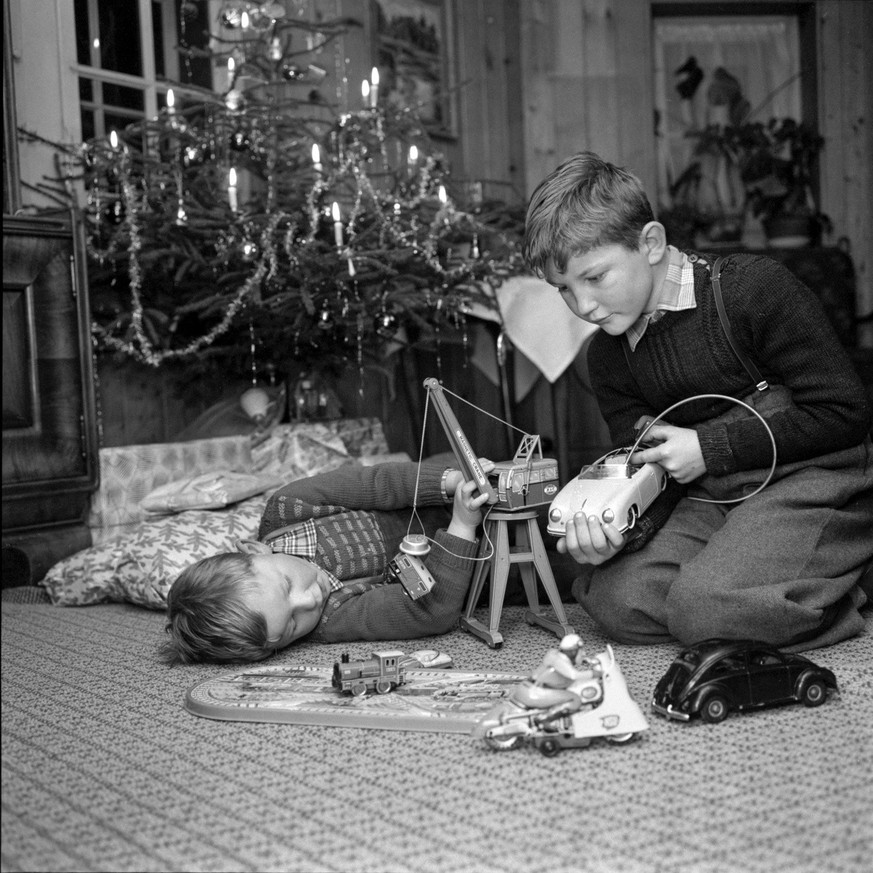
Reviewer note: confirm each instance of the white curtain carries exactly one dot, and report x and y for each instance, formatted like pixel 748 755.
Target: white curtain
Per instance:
pixel 755 63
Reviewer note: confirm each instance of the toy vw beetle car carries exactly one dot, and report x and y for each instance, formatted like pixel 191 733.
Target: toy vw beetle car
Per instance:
pixel 713 677
pixel 613 490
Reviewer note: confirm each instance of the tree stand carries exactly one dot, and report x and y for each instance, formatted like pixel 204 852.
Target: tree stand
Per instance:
pixel 528 551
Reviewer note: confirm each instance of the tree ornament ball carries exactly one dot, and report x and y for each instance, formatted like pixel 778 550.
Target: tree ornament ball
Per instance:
pixel 325 319
pixel 231 16
pixel 192 156
pixel 291 72
pixel 240 141
pixel 386 323
pixel 114 213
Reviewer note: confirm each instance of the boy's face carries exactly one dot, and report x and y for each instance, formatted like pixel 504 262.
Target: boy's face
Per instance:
pixel 611 286
pixel 289 592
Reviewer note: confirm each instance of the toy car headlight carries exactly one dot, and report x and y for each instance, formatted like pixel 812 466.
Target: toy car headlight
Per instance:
pixel 555 514
pixel 608 516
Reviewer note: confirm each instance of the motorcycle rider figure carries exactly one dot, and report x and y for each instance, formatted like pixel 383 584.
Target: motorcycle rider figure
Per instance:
pixel 567 669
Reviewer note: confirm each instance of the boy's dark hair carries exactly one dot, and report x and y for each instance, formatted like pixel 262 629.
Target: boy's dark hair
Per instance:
pixel 207 619
pixel 585 203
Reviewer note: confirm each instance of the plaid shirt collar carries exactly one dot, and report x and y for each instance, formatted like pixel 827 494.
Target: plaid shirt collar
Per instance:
pixel 677 293
pixel 301 541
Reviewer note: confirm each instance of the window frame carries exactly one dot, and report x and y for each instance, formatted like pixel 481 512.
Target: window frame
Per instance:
pixel 151 84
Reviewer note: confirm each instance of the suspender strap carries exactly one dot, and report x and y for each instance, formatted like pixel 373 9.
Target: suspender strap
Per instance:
pixel 751 369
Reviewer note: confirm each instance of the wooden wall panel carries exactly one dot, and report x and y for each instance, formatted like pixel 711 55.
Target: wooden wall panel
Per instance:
pixel 635 93
pixel 489 111
pixel 586 69
pixel 845 31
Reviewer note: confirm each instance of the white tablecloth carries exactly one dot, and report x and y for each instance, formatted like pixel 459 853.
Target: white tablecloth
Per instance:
pixel 546 336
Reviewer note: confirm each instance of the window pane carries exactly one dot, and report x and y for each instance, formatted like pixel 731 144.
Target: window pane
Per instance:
pixel 158 26
pixel 120 37
pixel 116 120
pixel 720 70
pixel 127 98
pixel 89 130
pixel 105 106
pixel 83 36
pixel 192 32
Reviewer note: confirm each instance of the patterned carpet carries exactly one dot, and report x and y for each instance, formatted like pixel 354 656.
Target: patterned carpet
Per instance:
pixel 104 770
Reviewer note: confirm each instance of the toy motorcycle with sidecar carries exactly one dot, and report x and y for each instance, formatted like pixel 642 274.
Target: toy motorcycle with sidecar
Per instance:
pixel 541 713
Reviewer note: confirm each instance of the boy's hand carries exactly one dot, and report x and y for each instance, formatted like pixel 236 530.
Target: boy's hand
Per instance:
pixel 677 451
pixel 467 506
pixel 455 478
pixel 590 542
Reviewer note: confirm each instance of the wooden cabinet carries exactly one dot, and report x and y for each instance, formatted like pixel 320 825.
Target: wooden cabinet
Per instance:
pixel 50 440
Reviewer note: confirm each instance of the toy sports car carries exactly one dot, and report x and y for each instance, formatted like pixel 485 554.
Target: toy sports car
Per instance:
pixel 713 677
pixel 615 491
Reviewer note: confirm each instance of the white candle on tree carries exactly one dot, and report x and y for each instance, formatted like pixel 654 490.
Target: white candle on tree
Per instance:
pixel 231 190
pixel 374 87
pixel 337 225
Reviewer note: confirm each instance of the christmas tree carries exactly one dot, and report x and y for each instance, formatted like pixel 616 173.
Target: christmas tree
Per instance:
pixel 264 220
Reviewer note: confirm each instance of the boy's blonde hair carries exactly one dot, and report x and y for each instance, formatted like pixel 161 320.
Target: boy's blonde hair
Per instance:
pixel 207 619
pixel 585 203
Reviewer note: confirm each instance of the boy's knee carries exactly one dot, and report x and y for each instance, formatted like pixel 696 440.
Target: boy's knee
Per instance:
pixel 623 609
pixel 701 608
pixel 696 612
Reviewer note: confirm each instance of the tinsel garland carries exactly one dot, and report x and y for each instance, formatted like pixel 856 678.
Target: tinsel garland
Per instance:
pixel 141 348
pixel 163 215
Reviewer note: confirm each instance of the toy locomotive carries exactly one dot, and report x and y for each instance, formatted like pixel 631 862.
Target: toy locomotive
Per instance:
pixel 381 672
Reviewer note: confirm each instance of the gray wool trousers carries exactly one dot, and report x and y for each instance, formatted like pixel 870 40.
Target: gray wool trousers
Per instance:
pixel 781 567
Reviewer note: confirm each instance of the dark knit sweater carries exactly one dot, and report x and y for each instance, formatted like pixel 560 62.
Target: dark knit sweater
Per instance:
pixel 781 325
pixel 357 532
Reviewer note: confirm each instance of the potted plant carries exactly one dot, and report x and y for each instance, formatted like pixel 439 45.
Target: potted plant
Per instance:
pixel 777 161
pixel 762 168
pixel 709 197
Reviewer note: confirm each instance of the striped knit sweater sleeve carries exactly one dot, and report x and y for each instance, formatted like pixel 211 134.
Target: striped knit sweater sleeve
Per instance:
pixel 782 326
pixel 381 487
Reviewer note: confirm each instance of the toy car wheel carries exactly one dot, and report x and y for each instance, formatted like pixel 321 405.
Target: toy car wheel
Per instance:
pixel 504 744
pixel 714 709
pixel 815 693
pixel 620 738
pixel 549 747
pixel 383 686
pixel 632 515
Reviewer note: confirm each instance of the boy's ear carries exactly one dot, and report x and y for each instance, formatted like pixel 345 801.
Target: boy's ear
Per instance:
pixel 253 547
pixel 653 238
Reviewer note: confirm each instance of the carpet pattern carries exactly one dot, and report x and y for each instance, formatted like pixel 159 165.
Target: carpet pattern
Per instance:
pixel 103 770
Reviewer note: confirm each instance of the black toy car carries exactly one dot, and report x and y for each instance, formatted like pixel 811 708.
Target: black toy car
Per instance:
pixel 713 677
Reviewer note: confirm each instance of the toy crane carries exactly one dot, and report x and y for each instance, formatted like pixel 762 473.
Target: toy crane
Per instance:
pixel 515 488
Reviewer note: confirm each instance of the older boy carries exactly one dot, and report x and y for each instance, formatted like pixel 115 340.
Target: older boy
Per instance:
pixel 320 566
pixel 781 566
